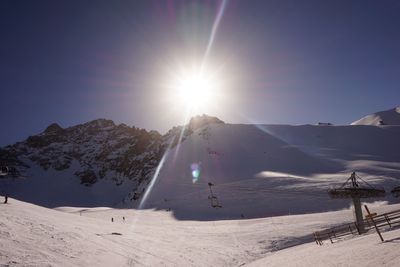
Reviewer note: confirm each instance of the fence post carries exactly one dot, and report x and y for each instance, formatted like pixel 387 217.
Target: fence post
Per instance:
pixel 330 238
pixel 358 230
pixel 316 238
pixel 351 229
pixel 388 221
pixel 372 219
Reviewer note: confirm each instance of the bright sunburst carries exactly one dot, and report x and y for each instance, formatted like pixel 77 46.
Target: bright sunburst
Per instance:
pixel 195 90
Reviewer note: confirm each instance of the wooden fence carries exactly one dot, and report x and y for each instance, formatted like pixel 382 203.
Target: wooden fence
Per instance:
pixel 382 221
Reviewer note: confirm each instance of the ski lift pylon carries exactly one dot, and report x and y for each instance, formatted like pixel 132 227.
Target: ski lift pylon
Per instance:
pixel 356 188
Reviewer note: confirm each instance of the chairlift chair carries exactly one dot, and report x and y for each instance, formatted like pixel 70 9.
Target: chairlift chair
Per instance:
pixel 213 199
pixel 214 202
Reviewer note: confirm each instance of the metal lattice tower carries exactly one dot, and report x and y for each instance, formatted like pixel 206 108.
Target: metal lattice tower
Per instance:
pixel 356 188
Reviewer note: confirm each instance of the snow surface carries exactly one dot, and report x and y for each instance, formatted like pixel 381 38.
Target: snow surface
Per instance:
pixel 366 250
pixel 47 187
pixel 272 170
pixel 387 117
pixel 35 236
pixel 257 170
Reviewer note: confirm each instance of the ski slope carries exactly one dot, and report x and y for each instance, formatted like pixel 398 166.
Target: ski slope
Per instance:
pixel 271 170
pixel 366 251
pixel 31 235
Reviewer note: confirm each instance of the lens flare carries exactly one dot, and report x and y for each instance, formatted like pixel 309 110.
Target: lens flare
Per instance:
pixel 196 171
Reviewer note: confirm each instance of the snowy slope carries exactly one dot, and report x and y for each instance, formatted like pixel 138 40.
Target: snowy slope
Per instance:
pixel 257 170
pixel 92 164
pixel 265 170
pixel 366 250
pixel 34 236
pixel 387 117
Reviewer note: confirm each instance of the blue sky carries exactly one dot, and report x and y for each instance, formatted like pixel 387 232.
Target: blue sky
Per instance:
pixel 289 62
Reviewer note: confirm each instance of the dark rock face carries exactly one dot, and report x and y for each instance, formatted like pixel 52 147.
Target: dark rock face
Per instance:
pixel 88 177
pixel 53 128
pixel 9 157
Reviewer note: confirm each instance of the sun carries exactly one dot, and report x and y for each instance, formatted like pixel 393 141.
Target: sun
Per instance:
pixel 195 90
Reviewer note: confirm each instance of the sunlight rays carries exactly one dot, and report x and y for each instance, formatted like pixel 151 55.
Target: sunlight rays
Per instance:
pixel 153 179
pixel 214 30
pixel 195 89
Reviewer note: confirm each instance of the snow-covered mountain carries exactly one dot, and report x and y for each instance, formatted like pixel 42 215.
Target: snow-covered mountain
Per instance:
pixel 264 170
pixel 387 117
pixel 96 163
pixel 254 170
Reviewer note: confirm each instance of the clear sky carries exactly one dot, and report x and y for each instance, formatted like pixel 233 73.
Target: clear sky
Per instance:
pixel 288 62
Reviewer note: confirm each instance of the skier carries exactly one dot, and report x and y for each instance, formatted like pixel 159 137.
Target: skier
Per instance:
pixel 123 218
pixel 6 199
pixel 112 219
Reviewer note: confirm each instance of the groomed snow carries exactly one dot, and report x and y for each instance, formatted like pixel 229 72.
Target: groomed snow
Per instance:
pixel 366 250
pixel 35 236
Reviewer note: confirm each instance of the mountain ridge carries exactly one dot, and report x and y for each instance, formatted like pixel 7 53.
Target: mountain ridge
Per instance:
pixel 91 153
pixel 99 163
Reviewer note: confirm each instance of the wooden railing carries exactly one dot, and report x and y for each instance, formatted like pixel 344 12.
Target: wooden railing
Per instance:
pixel 382 221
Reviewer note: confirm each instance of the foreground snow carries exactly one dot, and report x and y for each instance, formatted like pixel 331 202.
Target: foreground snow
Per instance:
pixel 366 250
pixel 32 235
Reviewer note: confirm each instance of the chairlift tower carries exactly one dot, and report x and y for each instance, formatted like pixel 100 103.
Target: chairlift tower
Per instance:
pixel 356 188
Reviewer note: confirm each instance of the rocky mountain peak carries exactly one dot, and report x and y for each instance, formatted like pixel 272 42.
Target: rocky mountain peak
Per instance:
pixel 202 120
pixel 53 128
pixel 96 154
pixel 101 123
